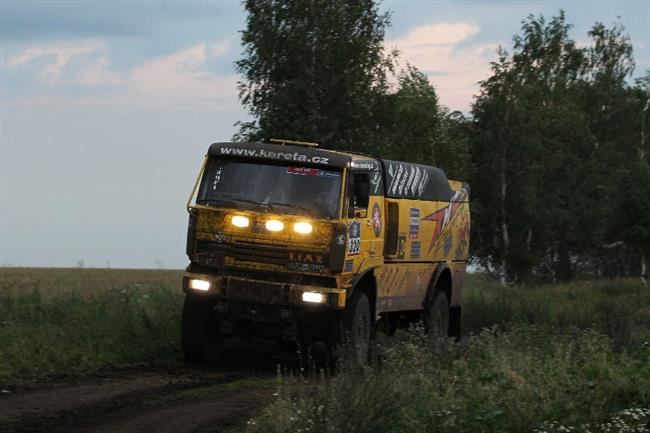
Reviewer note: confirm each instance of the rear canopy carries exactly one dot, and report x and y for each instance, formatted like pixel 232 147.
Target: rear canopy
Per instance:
pixel 415 181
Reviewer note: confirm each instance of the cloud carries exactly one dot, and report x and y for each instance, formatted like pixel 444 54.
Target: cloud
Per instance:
pixel 180 79
pixel 445 53
pixel 58 56
pixel 439 34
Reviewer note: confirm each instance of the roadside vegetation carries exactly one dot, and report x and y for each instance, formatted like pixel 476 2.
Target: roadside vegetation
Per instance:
pixel 58 323
pixel 554 358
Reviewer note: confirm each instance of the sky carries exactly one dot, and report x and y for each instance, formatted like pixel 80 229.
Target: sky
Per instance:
pixel 107 107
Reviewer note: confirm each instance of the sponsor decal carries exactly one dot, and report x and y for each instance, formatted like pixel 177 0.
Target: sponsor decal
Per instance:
pixel 444 215
pixel 307 171
pixel 401 245
pixel 414 223
pixel 217 179
pixel 406 180
pixel 354 239
pixel 376 219
pixel 340 239
pixel 415 249
pixel 364 165
pixel 348 266
pixel 303 171
pixel 262 153
pixel 375 182
pixel 305 267
pixel 305 257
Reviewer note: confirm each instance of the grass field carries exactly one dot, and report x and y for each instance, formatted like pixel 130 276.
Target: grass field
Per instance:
pixel 572 357
pixel 561 358
pixel 58 323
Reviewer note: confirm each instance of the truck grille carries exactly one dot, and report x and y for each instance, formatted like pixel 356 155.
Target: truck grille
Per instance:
pixel 252 252
pixel 257 291
pixel 243 251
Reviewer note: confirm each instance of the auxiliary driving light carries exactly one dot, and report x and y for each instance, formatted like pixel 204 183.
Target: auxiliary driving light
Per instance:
pixel 274 226
pixel 313 297
pixel 240 221
pixel 302 227
pixel 202 285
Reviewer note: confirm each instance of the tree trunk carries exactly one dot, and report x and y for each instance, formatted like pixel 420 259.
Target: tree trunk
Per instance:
pixel 644 274
pixel 505 236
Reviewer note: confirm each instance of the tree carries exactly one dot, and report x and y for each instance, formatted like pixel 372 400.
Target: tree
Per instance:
pixel 528 130
pixel 410 130
pixel 556 138
pixel 314 70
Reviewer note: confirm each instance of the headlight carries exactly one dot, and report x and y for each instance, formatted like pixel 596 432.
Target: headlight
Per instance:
pixel 274 226
pixel 202 285
pixel 240 221
pixel 303 228
pixel 313 297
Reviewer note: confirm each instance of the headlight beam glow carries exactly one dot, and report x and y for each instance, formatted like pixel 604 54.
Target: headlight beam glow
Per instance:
pixel 201 285
pixel 274 225
pixel 240 221
pixel 302 227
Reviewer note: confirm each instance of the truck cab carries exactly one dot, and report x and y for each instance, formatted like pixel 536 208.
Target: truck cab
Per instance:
pixel 299 244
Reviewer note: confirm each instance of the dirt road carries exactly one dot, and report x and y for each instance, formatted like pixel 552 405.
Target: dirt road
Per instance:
pixel 176 398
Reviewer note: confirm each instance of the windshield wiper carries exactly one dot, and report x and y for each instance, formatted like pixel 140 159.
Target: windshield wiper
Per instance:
pixel 295 206
pixel 229 201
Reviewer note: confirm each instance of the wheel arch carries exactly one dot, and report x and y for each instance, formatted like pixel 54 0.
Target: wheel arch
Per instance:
pixel 366 283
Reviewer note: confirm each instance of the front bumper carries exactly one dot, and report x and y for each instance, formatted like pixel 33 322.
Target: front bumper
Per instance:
pixel 263 292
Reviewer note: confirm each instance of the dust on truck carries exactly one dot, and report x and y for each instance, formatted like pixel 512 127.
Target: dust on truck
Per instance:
pixel 290 242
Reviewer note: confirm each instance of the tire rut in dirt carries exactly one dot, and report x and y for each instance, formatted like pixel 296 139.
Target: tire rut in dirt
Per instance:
pixel 66 409
pixel 212 415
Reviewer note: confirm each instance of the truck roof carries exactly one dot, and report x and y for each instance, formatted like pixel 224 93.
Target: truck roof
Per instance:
pixel 402 179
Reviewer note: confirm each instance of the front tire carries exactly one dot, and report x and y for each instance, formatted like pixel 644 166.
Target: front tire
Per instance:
pixel 200 337
pixel 357 326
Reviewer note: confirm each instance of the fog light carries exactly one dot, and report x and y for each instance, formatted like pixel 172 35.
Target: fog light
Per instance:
pixel 302 227
pixel 313 297
pixel 202 285
pixel 274 226
pixel 240 221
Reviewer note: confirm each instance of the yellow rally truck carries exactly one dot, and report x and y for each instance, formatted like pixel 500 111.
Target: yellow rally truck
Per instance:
pixel 299 244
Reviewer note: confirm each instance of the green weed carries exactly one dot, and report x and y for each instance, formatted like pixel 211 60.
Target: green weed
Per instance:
pixel 118 318
pixel 549 359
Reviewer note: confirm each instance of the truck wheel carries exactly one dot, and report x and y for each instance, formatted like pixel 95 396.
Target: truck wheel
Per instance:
pixel 436 317
pixel 200 335
pixel 357 326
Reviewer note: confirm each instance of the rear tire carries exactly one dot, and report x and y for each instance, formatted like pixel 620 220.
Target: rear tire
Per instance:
pixel 200 337
pixel 357 327
pixel 436 317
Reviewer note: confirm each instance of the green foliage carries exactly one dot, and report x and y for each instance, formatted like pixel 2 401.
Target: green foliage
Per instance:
pixel 556 134
pixel 72 322
pixel 314 70
pixel 529 366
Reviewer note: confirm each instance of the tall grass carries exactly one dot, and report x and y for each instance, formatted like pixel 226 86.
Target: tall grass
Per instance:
pixel 63 322
pixel 619 309
pixel 550 358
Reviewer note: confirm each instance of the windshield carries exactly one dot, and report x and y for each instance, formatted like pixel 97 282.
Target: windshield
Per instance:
pixel 280 188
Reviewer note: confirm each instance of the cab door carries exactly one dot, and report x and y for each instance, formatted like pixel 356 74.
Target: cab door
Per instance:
pixel 366 221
